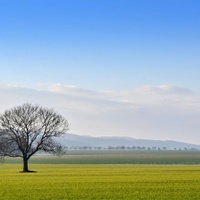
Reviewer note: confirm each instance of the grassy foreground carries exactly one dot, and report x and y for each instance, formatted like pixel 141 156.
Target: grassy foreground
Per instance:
pixel 100 182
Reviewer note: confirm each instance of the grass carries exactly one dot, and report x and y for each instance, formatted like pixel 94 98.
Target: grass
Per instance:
pixel 116 182
pixel 83 175
pixel 119 157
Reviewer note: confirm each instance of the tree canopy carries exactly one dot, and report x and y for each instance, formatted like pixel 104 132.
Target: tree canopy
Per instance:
pixel 27 129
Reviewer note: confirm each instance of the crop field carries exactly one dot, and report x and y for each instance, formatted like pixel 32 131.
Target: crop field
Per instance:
pixel 117 175
pixel 118 157
pixel 82 181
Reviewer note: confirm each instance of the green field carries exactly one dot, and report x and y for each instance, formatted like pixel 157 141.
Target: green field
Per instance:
pixel 118 157
pixel 119 175
pixel 100 182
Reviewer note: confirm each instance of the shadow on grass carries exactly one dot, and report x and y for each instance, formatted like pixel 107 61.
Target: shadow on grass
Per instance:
pixel 29 171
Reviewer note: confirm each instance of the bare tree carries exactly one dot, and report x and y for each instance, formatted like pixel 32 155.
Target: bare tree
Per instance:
pixel 27 129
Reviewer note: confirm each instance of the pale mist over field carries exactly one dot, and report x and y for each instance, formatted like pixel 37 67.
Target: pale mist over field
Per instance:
pixel 111 68
pixel 162 112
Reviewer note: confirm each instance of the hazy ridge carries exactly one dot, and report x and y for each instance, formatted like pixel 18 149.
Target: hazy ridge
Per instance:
pixel 73 140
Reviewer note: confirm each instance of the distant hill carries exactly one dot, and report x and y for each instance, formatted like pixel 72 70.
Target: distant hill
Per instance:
pixel 72 140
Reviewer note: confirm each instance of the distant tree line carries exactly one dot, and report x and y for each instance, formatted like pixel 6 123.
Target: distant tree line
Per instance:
pixel 122 147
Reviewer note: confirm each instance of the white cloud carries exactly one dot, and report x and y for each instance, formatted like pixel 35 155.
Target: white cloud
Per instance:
pixel 152 112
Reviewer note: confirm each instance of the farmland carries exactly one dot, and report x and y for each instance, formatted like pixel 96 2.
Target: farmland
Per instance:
pixel 65 181
pixel 118 157
pixel 104 175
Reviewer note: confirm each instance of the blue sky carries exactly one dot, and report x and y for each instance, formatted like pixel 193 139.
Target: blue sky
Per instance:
pixel 100 44
pixel 112 67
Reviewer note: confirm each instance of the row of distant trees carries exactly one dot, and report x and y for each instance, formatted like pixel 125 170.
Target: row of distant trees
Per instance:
pixel 126 148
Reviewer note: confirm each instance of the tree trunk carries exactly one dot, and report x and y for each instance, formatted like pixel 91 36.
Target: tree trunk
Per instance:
pixel 25 164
